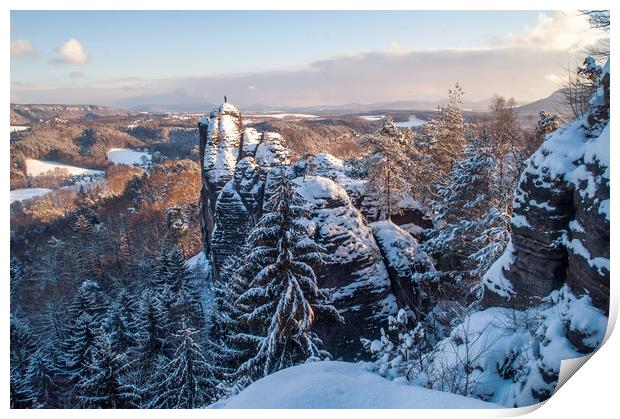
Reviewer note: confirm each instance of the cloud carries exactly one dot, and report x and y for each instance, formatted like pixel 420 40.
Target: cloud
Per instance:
pixel 22 47
pixel 71 52
pixel 364 78
pixel 565 31
pixel 524 66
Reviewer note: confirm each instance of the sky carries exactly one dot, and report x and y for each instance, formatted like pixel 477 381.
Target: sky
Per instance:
pixel 125 58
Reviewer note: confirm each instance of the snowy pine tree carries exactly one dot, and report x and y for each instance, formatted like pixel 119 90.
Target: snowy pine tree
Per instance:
pixel 88 253
pixel 187 380
pixel 161 275
pixel 438 144
pixel 22 344
pixel 104 382
pixel 402 352
pixel 17 283
pixel 472 221
pixel 79 345
pixel 153 329
pixel 122 322
pixel 22 347
pixel 227 313
pixel 39 382
pixel 174 283
pixel 89 299
pixel 388 166
pixel 282 299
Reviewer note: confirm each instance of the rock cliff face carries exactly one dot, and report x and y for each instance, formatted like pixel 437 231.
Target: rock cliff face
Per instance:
pixel 237 210
pixel 236 171
pixel 561 217
pixel 220 138
pixel 356 273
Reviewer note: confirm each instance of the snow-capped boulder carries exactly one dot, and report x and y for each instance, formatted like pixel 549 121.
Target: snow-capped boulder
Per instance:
pixel 356 273
pixel 272 152
pixel 402 258
pixel 412 213
pixel 322 164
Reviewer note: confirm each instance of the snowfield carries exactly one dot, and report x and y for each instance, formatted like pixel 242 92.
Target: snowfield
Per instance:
pixel 16 128
pixel 411 123
pixel 27 193
pixel 372 118
pixel 341 385
pixel 40 167
pixel 283 115
pixel 126 156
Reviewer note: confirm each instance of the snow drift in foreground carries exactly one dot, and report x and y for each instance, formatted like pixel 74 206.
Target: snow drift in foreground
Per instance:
pixel 341 385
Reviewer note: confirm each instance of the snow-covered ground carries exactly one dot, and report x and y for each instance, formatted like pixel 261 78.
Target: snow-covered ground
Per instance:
pixel 411 123
pixel 39 167
pixel 126 156
pixel 15 128
pixel 341 385
pixel 198 261
pixel 372 118
pixel 27 193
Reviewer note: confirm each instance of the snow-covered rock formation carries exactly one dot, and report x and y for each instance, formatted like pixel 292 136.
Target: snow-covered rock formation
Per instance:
pixel 221 146
pixel 236 182
pixel 220 138
pixel 356 272
pixel 402 259
pixel 561 216
pixel 554 276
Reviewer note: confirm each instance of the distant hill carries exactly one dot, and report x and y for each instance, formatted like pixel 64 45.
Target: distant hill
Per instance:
pixel 29 114
pixel 357 108
pixel 551 104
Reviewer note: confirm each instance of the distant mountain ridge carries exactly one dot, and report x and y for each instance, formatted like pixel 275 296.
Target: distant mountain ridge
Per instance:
pixel 28 114
pixel 353 108
pixel 554 103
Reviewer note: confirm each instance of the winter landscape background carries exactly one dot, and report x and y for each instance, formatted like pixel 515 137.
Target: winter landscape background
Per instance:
pixel 336 226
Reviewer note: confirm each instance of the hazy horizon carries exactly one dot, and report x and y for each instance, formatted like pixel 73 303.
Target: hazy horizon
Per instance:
pixel 289 59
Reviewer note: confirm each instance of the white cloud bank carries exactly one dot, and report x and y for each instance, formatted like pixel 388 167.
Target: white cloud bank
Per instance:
pixel 71 52
pixel 526 66
pixel 564 31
